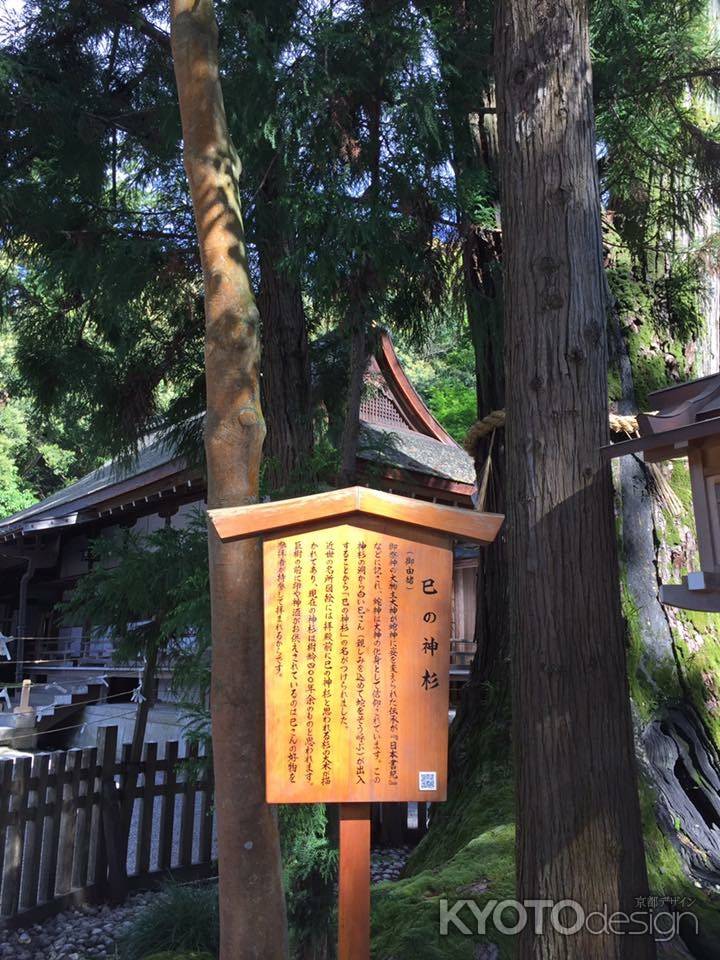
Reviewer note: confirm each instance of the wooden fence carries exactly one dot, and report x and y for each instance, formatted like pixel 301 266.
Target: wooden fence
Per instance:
pixel 61 832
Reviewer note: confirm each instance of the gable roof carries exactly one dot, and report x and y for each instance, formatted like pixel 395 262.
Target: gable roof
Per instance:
pixel 398 435
pixel 686 411
pixel 111 480
pixel 235 523
pixel 408 450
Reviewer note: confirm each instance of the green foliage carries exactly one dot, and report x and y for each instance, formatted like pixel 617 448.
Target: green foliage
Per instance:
pixel 142 588
pixel 659 318
pixel 182 919
pixel 656 69
pixel 443 373
pixel 366 220
pixel 152 592
pixel 471 858
pixel 478 197
pixel 102 291
pixel 182 922
pixel 310 864
pixel 14 492
pixel 315 473
pixel 38 452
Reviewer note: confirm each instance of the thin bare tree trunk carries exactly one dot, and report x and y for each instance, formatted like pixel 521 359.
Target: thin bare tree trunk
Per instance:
pixel 146 701
pixel 579 829
pixel 252 910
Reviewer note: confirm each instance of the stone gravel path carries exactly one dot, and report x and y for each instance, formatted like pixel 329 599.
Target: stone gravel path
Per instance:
pixel 387 864
pixel 91 932
pixel 83 933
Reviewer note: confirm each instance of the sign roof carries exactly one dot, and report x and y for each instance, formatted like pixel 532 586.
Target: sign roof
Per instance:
pixel 234 523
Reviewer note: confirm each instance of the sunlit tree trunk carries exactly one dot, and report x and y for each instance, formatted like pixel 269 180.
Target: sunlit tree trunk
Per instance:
pixel 252 911
pixel 578 818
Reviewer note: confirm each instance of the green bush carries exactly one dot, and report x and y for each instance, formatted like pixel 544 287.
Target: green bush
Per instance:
pixel 182 922
pixel 310 873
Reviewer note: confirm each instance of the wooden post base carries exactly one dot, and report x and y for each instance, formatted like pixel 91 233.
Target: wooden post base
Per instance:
pixel 354 886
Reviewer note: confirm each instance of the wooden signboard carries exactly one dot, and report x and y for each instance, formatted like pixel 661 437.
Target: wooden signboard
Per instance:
pixel 357 661
pixel 358 603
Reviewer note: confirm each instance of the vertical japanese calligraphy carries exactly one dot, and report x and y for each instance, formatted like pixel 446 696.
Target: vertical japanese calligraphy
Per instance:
pixel 393 633
pixel 311 661
pixel 360 663
pixel 280 607
pixel 345 634
pixel 377 658
pixel 328 630
pixel 294 655
pixel 357 627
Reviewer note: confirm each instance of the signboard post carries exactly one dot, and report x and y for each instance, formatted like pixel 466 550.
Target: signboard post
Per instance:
pixel 358 607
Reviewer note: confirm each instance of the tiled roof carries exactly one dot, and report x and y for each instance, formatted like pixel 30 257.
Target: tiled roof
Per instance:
pixel 153 452
pixel 421 447
pixel 408 450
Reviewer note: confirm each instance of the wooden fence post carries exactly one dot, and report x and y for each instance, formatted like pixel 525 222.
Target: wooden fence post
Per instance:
pixel 84 817
pixel 187 822
pixel 112 866
pixel 61 825
pixel 15 837
pixel 206 815
pixel 35 832
pixel 47 883
pixel 144 835
pixel 167 817
pixel 6 772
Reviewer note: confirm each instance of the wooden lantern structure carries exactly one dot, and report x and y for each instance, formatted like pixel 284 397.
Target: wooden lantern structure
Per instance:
pixel 357 599
pixel 687 424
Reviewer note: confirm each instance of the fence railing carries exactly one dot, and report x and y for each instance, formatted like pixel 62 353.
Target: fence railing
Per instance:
pixel 67 651
pixel 92 651
pixel 61 834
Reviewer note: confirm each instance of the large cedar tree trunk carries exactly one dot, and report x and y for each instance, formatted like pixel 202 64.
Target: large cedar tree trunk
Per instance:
pixel 364 285
pixel 252 910
pixel 285 350
pixel 475 140
pixel 470 97
pixel 359 338
pixel 579 830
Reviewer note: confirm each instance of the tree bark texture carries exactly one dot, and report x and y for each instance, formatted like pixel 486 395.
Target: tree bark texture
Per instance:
pixel 476 146
pixel 579 829
pixel 364 286
pixel 252 910
pixel 286 380
pixel 359 337
pixel 470 99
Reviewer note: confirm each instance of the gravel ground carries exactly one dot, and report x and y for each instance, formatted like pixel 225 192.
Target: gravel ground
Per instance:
pixel 78 934
pixel 387 864
pixel 91 932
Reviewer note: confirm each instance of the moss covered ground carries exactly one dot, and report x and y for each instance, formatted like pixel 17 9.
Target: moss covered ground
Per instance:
pixel 475 862
pixel 479 865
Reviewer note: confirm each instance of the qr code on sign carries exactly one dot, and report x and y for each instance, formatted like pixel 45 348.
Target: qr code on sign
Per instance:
pixel 427 780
